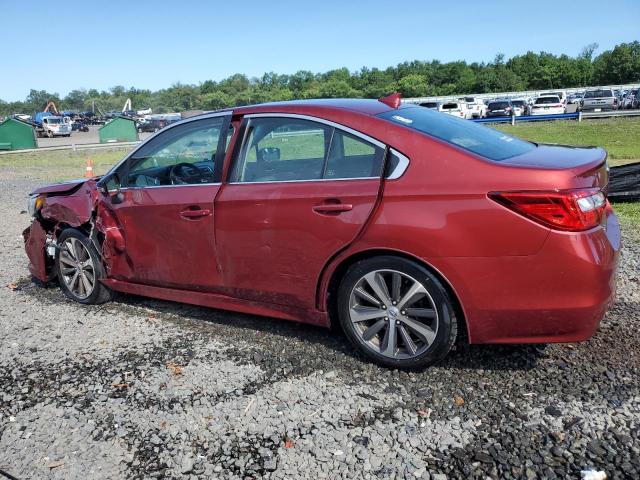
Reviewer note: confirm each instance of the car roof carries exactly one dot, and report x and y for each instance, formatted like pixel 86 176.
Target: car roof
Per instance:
pixel 357 105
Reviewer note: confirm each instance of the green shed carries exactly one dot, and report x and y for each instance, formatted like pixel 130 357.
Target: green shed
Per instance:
pixel 119 129
pixel 15 135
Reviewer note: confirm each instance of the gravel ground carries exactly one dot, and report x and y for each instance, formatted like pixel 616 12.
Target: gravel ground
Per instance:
pixel 141 388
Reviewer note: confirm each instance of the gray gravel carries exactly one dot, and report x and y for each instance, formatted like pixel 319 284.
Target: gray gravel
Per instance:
pixel 141 388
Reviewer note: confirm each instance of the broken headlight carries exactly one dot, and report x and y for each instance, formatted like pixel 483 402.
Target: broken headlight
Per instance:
pixel 34 204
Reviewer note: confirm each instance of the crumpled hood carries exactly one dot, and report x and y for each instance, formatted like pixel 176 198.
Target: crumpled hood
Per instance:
pixel 60 188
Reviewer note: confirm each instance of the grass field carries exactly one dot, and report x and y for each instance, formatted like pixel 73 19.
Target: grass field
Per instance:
pixel 628 213
pixel 619 136
pixel 60 165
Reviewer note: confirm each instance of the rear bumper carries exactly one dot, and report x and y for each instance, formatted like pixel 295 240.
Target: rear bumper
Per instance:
pixel 586 108
pixel 558 295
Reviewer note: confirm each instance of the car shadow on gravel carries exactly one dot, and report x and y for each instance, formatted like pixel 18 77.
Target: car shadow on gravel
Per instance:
pixel 332 342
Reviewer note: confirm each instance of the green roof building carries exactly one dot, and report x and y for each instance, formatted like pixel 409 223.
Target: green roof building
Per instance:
pixel 119 129
pixel 16 135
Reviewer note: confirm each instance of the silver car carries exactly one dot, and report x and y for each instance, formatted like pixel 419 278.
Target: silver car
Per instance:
pixel 598 100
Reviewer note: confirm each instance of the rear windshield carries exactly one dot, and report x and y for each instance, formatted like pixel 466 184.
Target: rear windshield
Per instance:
pixel 469 99
pixel 598 94
pixel 449 106
pixel 518 103
pixel 471 136
pixel 543 100
pixel 498 105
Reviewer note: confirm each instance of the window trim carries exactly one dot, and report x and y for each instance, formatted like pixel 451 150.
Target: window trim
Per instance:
pixel 403 164
pixel 240 148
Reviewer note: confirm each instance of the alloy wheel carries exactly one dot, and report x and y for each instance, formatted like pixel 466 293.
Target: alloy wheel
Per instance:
pixel 393 314
pixel 76 268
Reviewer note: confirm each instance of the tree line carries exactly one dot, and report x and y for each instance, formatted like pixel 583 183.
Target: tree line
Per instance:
pixel 531 71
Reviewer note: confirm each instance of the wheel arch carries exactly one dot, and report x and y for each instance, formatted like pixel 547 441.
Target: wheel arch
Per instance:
pixel 335 270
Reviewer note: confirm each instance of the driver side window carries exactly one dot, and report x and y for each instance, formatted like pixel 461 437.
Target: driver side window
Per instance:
pixel 182 155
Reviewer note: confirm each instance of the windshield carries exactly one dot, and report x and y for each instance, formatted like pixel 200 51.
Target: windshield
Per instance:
pixel 55 120
pixel 498 105
pixel 598 94
pixel 518 103
pixel 471 136
pixel 543 100
pixel 429 104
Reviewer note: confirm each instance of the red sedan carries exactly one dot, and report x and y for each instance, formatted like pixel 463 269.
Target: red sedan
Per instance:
pixel 405 225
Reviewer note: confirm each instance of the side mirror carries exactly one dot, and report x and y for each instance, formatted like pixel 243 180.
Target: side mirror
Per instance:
pixel 110 186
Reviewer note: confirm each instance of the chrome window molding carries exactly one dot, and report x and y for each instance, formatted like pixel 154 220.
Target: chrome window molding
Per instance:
pixel 169 186
pixel 311 118
pixel 403 163
pixel 305 181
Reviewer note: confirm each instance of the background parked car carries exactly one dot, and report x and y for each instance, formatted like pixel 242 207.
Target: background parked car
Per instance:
pixel 500 108
pixel 476 106
pixel 79 126
pixel 598 100
pixel 547 105
pixel 520 107
pixel 575 98
pixel 561 94
pixel 457 109
pixel 431 105
pixel 629 98
pixel 151 125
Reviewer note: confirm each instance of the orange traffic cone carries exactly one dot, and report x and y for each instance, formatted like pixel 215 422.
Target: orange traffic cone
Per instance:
pixel 89 171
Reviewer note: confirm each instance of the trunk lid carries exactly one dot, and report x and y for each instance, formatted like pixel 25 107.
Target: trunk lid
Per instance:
pixel 584 166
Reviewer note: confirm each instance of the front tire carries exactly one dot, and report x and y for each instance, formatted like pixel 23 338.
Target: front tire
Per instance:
pixel 396 313
pixel 79 269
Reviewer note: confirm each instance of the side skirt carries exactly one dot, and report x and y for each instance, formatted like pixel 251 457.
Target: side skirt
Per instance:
pixel 222 302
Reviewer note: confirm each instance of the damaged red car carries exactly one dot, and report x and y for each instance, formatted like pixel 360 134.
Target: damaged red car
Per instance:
pixel 406 226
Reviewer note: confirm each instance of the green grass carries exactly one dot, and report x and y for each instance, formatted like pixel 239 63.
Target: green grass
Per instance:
pixel 628 213
pixel 619 136
pixel 59 165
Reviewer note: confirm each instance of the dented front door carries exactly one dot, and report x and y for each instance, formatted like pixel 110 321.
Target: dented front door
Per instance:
pixel 165 208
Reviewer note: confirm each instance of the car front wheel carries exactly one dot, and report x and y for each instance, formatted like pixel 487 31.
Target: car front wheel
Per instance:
pixel 80 269
pixel 396 312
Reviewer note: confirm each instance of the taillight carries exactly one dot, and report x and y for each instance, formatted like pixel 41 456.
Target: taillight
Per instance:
pixel 569 210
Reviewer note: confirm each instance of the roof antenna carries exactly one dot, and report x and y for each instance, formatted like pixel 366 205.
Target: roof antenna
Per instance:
pixel 392 100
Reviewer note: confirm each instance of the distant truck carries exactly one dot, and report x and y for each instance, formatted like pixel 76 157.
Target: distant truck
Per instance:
pixel 50 125
pixel 598 100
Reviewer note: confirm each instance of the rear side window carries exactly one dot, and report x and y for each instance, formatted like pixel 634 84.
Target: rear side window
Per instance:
pixel 352 157
pixel 598 94
pixel 476 138
pixel 546 100
pixel 281 149
pixel 498 105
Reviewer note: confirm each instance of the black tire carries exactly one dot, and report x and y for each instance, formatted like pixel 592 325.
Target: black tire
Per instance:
pixel 99 293
pixel 447 325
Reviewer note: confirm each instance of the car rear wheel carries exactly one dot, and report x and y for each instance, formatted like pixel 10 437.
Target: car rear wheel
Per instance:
pixel 396 312
pixel 80 269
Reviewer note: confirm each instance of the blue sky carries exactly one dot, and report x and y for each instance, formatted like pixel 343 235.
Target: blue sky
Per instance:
pixel 60 46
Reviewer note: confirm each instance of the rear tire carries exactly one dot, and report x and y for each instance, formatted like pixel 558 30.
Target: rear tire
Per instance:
pixel 80 269
pixel 396 313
